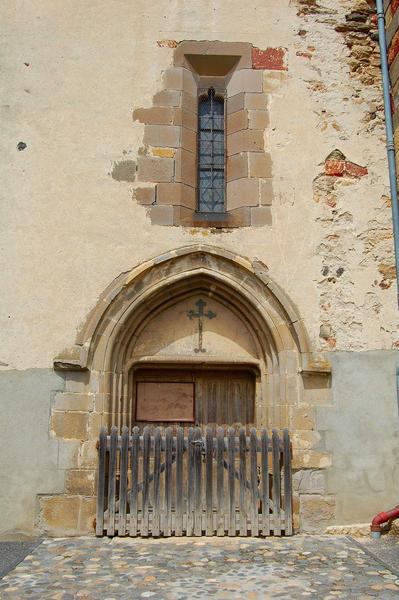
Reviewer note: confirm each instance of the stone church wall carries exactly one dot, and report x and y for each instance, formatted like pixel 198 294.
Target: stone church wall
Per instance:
pixel 73 221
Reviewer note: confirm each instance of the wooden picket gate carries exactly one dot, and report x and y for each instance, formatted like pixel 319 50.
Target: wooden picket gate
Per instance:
pixel 161 484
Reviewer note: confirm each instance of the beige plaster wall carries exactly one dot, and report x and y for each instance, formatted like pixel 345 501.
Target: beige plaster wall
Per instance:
pixel 70 227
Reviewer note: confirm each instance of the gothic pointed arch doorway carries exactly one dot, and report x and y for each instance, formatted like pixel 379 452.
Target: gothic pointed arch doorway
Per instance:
pixel 201 324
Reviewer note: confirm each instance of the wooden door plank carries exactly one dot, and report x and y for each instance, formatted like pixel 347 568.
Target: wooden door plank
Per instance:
pixel 243 478
pixel 209 482
pixel 276 484
pixel 157 474
pixel 102 451
pixel 265 483
pixel 123 481
pixel 220 480
pixel 190 482
pixel 287 483
pixel 231 480
pixel 133 525
pixel 179 481
pixel 198 483
pixel 168 482
pixel 146 481
pixel 113 455
pixel 254 482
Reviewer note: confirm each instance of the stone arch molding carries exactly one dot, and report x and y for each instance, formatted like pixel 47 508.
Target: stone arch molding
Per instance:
pixel 105 345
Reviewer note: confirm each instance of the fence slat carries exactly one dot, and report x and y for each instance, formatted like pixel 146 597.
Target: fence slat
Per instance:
pixel 190 483
pixel 179 482
pixel 146 481
pixel 254 483
pixel 102 451
pixel 265 484
pixel 157 473
pixel 123 481
pixel 287 483
pixel 198 482
pixel 113 454
pixel 231 478
pixel 220 480
pixel 209 482
pixel 168 482
pixel 243 478
pixel 276 484
pixel 135 475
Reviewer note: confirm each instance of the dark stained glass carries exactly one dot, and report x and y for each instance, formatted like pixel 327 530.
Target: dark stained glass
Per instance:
pixel 211 153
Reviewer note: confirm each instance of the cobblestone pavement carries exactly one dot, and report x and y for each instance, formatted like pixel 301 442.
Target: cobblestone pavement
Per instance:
pixel 315 567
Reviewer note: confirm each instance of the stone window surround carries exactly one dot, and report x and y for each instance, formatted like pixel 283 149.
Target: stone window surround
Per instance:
pixel 167 165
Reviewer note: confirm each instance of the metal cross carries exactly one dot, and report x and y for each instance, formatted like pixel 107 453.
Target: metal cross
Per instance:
pixel 199 314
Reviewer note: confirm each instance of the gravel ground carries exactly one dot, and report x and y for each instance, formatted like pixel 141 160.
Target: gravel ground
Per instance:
pixel 316 567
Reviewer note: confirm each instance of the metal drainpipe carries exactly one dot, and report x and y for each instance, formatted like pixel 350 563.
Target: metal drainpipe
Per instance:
pixel 390 147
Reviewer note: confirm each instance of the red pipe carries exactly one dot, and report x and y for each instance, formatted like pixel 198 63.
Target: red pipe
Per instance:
pixel 381 518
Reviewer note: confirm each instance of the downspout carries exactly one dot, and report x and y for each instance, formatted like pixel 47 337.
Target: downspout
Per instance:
pixel 389 134
pixel 394 513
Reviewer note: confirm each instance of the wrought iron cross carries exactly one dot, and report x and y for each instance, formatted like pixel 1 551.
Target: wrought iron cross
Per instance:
pixel 200 314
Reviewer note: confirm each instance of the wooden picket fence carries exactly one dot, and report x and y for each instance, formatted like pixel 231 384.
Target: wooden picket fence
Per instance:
pixel 160 484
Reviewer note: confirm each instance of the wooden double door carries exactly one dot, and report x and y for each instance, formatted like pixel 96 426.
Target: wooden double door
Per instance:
pixel 194 397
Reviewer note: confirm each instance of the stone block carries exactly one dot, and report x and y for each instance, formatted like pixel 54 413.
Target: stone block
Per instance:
pixel 266 192
pixel 316 513
pixel 162 135
pixel 155 169
pixel 247 140
pixel 305 440
pixel 179 78
pixel 303 417
pixel 237 121
pixel 70 425
pixel 261 216
pixel 309 481
pixel 271 59
pixel 80 482
pixel 88 455
pixel 87 516
pixel 163 152
pixel 68 453
pixel 260 164
pixel 183 216
pixel 245 80
pixel 235 103
pixel 95 422
pixel 189 102
pixel 77 381
pixel 242 192
pixel 186 168
pixel 185 118
pixel 167 98
pixel 66 401
pixel 155 115
pixel 258 119
pixel 177 194
pixel 255 101
pixel 237 166
pixel 144 195
pixel 188 139
pixel 161 215
pixel 59 515
pixel 241 50
pixel 309 459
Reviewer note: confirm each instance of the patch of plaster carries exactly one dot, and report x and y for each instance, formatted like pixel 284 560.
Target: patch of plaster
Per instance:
pixel 124 170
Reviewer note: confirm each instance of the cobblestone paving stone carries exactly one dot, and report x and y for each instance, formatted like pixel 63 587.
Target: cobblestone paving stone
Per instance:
pixel 315 567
